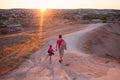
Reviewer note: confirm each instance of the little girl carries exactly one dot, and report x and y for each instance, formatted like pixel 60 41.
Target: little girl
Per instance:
pixel 50 51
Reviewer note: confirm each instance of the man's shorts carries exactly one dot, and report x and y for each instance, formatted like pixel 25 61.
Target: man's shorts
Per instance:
pixel 61 51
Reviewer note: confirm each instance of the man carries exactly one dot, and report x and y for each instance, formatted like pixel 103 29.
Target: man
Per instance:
pixel 61 46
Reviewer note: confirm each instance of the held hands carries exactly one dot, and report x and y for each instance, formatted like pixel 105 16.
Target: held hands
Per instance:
pixel 56 49
pixel 65 48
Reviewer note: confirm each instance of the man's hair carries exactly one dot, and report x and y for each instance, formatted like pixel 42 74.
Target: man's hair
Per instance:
pixel 60 36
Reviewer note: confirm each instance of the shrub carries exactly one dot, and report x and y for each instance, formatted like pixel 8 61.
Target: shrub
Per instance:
pixel 104 19
pixel 3 31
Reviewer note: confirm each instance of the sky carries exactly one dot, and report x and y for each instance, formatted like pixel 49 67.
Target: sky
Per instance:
pixel 60 4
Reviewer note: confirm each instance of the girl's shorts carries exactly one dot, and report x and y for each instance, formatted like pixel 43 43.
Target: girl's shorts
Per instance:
pixel 50 54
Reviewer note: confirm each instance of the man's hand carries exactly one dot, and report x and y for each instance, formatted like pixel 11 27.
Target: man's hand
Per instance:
pixel 65 48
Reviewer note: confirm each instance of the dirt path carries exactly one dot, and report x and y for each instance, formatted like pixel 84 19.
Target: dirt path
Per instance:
pixel 76 65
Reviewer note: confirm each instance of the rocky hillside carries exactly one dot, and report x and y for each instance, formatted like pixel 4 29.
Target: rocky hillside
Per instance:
pixel 104 41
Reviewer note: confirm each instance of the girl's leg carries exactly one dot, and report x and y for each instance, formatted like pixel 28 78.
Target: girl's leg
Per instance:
pixel 50 59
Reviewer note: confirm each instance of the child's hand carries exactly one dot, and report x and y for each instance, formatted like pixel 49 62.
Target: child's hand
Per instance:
pixel 56 49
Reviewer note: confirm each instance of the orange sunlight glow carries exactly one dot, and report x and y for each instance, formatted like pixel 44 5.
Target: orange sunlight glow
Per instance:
pixel 43 9
pixel 41 21
pixel 42 6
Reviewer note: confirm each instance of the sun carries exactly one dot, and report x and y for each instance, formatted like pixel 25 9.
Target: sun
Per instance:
pixel 43 9
pixel 41 4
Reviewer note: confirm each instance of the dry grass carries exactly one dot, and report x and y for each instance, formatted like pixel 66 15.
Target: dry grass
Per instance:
pixel 13 55
pixel 8 41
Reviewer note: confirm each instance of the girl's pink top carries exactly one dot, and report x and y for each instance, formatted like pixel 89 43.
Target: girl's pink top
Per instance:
pixel 50 49
pixel 59 41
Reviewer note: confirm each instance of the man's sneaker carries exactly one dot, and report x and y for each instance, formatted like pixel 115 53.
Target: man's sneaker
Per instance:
pixel 60 61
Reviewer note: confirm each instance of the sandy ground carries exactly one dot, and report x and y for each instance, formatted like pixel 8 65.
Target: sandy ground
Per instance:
pixel 76 65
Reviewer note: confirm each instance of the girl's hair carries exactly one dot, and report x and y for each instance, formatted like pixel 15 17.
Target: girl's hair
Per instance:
pixel 50 45
pixel 60 36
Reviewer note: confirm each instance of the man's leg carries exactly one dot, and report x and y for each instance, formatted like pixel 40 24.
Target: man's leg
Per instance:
pixel 61 54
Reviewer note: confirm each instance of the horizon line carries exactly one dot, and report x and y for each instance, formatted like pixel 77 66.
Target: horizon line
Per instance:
pixel 61 8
